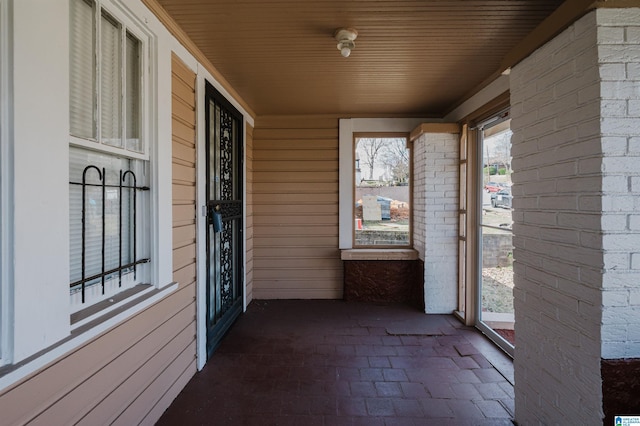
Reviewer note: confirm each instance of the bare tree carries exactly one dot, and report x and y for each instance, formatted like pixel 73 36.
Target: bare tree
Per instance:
pixel 498 150
pixel 369 149
pixel 396 157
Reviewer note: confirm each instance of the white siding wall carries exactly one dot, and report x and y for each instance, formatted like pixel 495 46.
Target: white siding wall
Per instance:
pixel 619 48
pixel 436 165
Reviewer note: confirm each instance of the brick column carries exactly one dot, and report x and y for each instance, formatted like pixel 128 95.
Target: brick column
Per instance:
pixel 435 220
pixel 575 112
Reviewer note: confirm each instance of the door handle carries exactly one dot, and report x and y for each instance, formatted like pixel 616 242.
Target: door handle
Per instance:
pixel 216 218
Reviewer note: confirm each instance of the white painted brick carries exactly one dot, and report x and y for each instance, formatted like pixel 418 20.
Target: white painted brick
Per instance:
pixel 614 333
pixel 559 203
pixel 618 17
pixel 558 138
pixel 618 203
pixel 568 189
pixel 622 165
pixel 618 53
pixel 575 116
pixel 590 203
pixel 633 70
pixel 614 108
pixel 621 280
pixel 634 334
pixel 589 128
pixel 621 242
pixel 613 350
pixel 578 184
pixel 625 89
pixel 634 108
pixel 614 71
pixel 437 235
pixel 619 316
pixel 558 170
pixel 613 223
pixel 579 82
pixel 596 202
pixel 611 35
pixel 634 145
pixel 589 166
pixel 620 261
pixel 586 146
pixel 619 126
pixel 632 34
pixel 615 298
pixel 544 187
pixel 613 183
pixel 591 240
pixel 612 145
pixel 587 59
pixel 635 183
pixel 634 222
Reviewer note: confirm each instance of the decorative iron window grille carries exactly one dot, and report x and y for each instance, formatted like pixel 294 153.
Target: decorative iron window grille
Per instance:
pixel 127 190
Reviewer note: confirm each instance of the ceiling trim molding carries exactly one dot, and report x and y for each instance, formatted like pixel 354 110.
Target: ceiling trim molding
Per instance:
pixel 620 4
pixel 182 37
pixel 568 12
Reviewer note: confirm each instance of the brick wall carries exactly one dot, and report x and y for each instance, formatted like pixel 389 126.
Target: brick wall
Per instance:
pixel 619 47
pixel 435 221
pixel 419 194
pixel 556 150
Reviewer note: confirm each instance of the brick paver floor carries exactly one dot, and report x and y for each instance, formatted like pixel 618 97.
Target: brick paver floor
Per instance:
pixel 342 363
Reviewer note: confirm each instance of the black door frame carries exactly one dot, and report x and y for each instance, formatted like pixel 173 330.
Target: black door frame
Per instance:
pixel 231 212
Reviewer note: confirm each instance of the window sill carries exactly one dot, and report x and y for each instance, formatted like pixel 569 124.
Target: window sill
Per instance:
pixel 84 331
pixel 101 309
pixel 379 254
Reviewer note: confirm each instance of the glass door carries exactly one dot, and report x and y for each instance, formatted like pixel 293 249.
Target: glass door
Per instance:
pixel 495 314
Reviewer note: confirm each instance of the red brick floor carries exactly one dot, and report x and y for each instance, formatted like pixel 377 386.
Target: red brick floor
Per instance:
pixel 343 363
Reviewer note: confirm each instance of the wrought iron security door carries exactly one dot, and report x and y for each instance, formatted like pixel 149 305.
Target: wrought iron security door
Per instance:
pixel 224 216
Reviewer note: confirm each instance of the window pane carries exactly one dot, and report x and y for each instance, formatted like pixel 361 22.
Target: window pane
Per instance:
pixel 110 81
pixel 78 160
pixel 382 192
pixel 115 226
pixel 132 93
pixel 82 103
pixel 496 245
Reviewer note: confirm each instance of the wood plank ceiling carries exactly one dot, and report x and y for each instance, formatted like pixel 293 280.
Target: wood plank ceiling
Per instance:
pixel 412 57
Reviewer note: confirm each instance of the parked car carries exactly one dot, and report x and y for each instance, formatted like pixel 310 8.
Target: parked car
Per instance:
pixel 493 186
pixel 502 198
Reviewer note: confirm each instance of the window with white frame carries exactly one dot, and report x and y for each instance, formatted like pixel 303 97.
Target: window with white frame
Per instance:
pixel 109 166
pixel 382 192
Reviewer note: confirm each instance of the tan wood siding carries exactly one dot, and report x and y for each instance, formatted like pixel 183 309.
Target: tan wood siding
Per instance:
pixel 183 90
pixel 100 371
pixel 249 250
pixel 295 208
pixel 132 372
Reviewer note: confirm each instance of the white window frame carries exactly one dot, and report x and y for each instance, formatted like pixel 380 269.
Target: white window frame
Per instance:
pixel 129 25
pixel 6 234
pixel 348 127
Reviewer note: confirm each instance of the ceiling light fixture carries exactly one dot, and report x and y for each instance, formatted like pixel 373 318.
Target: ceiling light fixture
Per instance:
pixel 345 37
